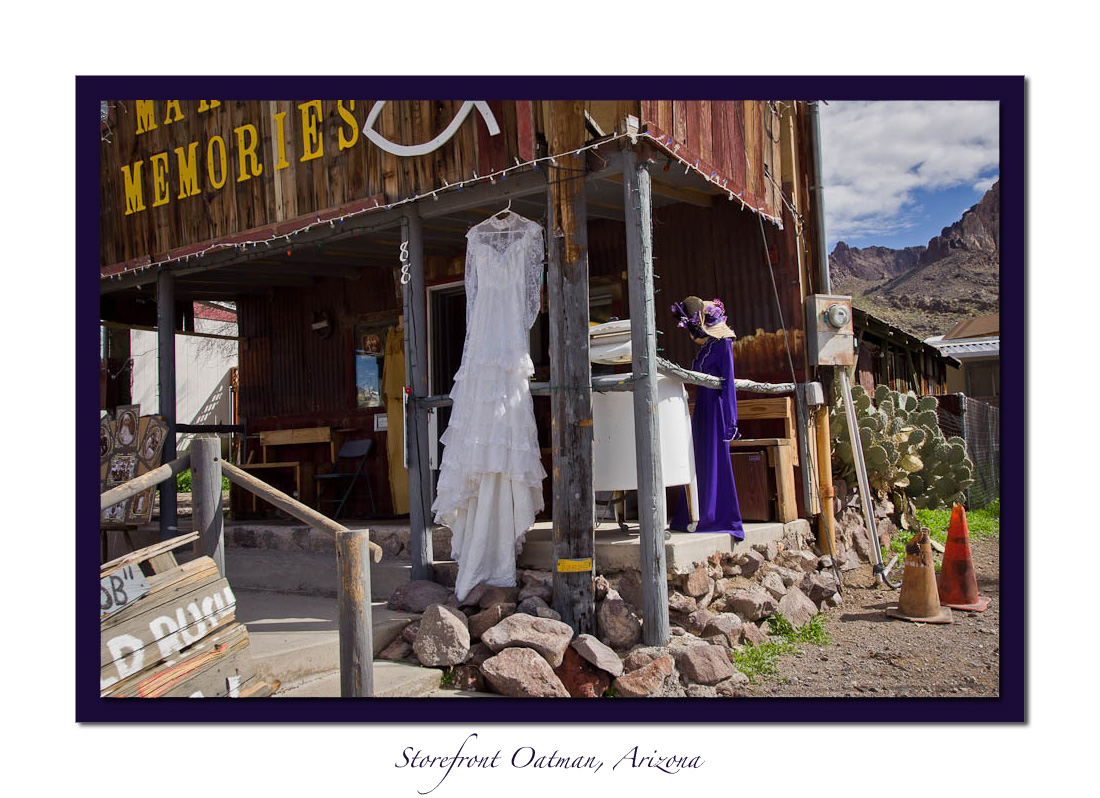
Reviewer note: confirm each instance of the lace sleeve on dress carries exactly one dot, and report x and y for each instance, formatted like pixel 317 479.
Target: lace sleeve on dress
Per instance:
pixel 535 257
pixel 471 277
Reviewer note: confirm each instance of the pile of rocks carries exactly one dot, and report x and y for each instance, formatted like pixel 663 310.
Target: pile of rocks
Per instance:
pixel 853 539
pixel 510 641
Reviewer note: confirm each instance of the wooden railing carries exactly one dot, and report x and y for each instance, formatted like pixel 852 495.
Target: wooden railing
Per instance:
pixel 354 550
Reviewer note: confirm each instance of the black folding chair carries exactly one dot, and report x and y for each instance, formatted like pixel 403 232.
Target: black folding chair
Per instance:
pixel 357 451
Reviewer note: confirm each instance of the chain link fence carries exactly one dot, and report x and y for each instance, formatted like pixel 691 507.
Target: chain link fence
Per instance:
pixel 979 424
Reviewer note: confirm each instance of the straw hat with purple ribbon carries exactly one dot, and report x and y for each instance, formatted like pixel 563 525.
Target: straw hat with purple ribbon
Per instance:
pixel 703 319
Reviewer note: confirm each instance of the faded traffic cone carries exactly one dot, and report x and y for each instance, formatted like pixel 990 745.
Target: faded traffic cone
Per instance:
pixel 957 580
pixel 919 601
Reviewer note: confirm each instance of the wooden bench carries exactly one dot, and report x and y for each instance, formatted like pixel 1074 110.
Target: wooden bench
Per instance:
pixel 782 452
pixel 288 437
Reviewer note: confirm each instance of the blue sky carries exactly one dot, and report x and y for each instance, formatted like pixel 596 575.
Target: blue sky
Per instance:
pixel 897 173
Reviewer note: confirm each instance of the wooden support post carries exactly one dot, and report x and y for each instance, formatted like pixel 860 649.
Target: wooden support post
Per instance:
pixel 574 505
pixel 826 538
pixel 356 634
pixel 637 199
pixel 416 416
pixel 206 497
pixel 166 382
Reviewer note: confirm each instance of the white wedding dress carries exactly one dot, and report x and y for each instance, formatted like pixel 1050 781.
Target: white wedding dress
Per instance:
pixel 490 477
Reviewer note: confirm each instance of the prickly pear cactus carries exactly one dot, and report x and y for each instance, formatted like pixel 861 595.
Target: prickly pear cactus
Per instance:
pixel 906 453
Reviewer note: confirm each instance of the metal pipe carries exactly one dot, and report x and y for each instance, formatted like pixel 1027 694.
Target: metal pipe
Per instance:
pixel 879 568
pixel 817 191
pixel 166 384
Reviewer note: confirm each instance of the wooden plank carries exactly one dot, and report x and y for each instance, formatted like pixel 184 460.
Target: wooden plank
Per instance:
pixel 164 630
pixel 574 507
pixel 141 555
pixel 286 437
pixel 637 201
pixel 200 671
pixel 787 504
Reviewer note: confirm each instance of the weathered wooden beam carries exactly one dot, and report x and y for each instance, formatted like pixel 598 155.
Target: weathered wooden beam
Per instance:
pixel 416 417
pixel 518 184
pixel 166 384
pixel 356 633
pixel 135 486
pixel 574 508
pixel 206 498
pixel 637 199
pixel 289 505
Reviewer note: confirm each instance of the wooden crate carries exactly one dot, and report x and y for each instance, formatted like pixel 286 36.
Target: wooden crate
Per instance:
pixel 755 493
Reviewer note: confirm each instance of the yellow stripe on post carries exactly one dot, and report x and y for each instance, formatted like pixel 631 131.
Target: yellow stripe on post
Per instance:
pixel 574 566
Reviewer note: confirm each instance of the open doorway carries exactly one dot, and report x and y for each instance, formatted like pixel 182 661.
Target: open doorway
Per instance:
pixel 446 334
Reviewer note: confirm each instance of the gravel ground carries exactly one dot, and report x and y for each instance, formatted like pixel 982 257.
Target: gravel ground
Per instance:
pixel 871 654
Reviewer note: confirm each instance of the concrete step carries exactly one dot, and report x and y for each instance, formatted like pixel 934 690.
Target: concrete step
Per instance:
pixel 391 680
pixel 617 550
pixel 305 573
pixel 293 638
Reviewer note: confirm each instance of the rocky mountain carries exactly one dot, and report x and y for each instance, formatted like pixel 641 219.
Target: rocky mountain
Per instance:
pixel 927 290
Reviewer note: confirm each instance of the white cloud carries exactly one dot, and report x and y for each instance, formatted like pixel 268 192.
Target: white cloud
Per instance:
pixel 876 154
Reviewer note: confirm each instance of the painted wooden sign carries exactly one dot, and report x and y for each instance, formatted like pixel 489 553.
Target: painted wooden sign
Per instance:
pixel 120 589
pixel 178 173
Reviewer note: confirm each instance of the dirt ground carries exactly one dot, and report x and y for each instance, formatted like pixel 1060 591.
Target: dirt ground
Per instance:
pixel 872 654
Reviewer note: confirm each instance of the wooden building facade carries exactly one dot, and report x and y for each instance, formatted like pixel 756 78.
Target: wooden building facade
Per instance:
pixel 325 221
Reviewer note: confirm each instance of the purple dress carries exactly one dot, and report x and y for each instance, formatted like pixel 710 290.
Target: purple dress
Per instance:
pixel 713 426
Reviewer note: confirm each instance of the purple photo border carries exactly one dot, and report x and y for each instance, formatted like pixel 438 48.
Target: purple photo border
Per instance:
pixel 1010 706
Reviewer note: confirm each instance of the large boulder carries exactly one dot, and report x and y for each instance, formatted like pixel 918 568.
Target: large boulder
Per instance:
pixel 650 680
pixel 618 623
pixel 481 622
pixel 443 638
pixel 752 605
pixel 522 673
pixel 548 637
pixel 703 664
pixel 580 677
pixel 797 608
pixel 418 595
pixel 698 583
pixel 727 625
pixel 598 654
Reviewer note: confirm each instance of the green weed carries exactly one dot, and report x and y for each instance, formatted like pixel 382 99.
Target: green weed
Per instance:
pixel 183 482
pixel 762 661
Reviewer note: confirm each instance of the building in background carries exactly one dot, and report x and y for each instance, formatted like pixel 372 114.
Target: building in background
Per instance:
pixel 976 344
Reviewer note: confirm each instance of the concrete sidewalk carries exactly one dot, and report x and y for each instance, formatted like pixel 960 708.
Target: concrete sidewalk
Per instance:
pixel 295 639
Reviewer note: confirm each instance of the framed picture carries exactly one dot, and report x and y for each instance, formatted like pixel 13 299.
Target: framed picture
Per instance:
pixel 126 426
pixel 370 353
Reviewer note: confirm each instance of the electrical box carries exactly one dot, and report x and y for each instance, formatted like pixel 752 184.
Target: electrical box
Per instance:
pixel 830 330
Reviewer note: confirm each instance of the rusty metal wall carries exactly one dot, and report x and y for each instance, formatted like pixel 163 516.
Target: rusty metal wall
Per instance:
pixel 286 368
pixel 720 252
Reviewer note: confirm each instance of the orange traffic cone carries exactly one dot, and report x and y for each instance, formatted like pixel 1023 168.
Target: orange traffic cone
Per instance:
pixel 958 582
pixel 918 601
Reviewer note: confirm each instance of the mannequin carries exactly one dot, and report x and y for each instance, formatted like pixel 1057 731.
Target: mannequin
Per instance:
pixel 714 420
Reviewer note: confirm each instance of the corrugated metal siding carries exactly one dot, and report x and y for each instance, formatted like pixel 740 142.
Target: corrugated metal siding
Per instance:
pixel 286 368
pixel 719 252
pixel 738 138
